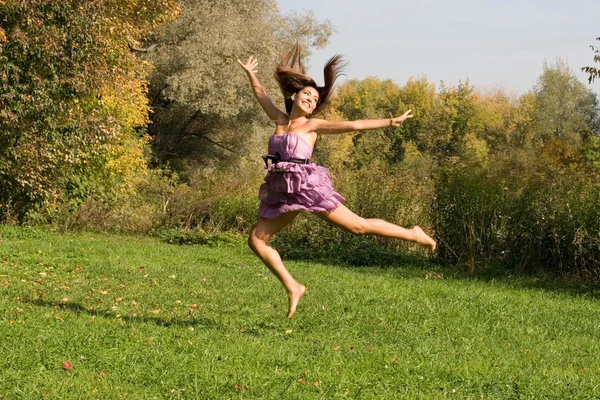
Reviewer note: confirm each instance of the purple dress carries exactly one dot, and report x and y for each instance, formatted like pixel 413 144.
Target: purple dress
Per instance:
pixel 295 187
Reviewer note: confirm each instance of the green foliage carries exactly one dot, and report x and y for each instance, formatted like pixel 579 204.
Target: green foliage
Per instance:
pixel 71 94
pixel 566 110
pixel 503 181
pixel 524 215
pixel 401 194
pixel 593 71
pixel 203 108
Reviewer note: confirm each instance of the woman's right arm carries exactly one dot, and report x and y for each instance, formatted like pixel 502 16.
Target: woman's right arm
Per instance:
pixel 275 114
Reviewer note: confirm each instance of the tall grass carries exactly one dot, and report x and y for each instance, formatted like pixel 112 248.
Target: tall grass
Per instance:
pixel 543 220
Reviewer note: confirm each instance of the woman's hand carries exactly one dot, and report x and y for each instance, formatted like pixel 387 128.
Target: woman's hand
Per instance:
pixel 397 121
pixel 250 65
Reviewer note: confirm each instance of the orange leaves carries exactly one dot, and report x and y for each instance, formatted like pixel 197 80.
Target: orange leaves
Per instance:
pixel 306 381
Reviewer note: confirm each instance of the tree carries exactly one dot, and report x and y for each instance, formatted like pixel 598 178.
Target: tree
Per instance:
pixel 203 108
pixel 72 94
pixel 566 112
pixel 593 71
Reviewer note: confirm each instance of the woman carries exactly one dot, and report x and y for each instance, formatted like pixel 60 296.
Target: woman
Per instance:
pixel 294 184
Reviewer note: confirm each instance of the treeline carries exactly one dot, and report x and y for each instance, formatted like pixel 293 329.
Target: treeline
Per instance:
pixel 134 116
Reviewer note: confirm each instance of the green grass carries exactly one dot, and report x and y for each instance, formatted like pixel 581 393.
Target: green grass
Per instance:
pixel 141 319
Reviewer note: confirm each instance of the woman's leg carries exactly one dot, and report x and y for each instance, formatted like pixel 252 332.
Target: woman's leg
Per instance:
pixel 346 219
pixel 261 233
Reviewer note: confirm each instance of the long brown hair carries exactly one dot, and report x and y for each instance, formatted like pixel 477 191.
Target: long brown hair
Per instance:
pixel 291 76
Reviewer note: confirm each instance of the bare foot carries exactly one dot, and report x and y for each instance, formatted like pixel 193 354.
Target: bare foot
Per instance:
pixel 294 297
pixel 423 238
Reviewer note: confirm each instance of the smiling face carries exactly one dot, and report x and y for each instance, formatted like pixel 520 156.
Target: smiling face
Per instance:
pixel 306 99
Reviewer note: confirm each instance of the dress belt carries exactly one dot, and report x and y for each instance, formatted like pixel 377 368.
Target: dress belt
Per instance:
pixel 277 158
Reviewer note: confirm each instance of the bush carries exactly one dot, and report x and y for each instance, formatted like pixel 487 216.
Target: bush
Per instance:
pixel 543 219
pixel 400 194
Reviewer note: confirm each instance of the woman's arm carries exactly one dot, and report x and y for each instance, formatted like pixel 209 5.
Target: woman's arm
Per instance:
pixel 260 93
pixel 335 127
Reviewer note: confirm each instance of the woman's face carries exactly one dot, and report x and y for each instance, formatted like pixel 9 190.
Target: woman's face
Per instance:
pixel 307 99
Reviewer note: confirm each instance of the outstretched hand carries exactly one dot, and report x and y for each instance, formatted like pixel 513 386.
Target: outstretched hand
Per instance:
pixel 250 65
pixel 397 121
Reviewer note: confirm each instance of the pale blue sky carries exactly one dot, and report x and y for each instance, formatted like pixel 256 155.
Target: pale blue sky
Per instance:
pixel 493 43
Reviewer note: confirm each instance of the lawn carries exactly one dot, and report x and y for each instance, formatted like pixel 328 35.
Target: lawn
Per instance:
pixel 105 316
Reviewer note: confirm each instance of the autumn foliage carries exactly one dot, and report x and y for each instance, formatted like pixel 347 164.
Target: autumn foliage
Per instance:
pixel 88 88
pixel 72 97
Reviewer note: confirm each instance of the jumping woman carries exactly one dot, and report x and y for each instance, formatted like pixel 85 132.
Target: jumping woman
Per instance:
pixel 293 183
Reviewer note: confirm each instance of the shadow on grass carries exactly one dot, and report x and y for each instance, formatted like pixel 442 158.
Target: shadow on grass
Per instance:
pixel 164 322
pixel 379 258
pixel 575 286
pixel 382 261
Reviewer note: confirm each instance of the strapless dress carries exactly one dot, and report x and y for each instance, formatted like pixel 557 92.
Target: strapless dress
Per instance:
pixel 290 186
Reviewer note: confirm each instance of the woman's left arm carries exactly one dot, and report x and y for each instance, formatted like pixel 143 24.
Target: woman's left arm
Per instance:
pixel 335 127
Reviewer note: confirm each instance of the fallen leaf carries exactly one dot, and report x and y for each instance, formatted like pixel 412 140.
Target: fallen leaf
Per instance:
pixel 433 275
pixel 324 308
pixel 103 373
pixel 154 311
pixel 336 348
pixel 300 380
pixel 288 331
pixel 66 366
pixel 317 383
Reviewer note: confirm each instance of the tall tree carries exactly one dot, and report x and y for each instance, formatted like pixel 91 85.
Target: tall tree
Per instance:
pixel 566 112
pixel 203 107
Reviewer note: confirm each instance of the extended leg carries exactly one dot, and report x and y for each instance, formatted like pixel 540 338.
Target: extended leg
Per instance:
pixel 346 219
pixel 261 233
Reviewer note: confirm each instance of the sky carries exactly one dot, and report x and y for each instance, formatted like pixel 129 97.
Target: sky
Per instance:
pixel 493 44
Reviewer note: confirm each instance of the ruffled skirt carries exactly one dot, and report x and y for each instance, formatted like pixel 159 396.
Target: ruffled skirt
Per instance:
pixel 296 187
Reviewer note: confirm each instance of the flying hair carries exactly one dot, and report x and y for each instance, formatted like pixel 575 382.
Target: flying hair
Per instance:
pixel 291 76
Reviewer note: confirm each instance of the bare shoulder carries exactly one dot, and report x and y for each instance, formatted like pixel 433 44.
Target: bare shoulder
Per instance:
pixel 316 123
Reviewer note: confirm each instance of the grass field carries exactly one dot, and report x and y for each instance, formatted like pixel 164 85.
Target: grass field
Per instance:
pixel 137 318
